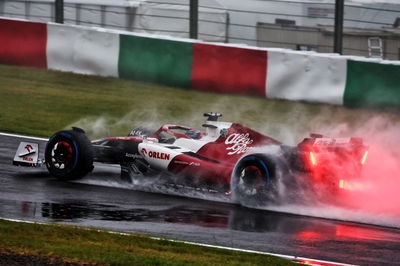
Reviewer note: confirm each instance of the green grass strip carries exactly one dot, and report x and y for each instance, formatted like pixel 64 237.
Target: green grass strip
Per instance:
pixel 92 246
pixel 40 102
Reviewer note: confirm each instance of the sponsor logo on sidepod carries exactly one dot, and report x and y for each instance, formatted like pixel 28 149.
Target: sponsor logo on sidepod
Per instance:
pixel 156 155
pixel 239 143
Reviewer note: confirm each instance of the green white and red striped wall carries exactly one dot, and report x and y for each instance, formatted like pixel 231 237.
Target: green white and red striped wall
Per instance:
pixel 270 73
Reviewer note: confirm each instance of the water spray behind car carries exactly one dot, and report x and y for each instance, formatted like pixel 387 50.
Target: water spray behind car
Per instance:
pixel 373 199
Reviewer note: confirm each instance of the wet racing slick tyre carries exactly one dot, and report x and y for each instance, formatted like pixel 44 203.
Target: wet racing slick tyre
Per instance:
pixel 254 180
pixel 69 154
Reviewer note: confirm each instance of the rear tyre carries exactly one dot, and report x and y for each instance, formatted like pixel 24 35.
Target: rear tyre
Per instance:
pixel 69 154
pixel 254 180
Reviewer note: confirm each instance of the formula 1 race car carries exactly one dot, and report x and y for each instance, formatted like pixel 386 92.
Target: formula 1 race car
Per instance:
pixel 226 157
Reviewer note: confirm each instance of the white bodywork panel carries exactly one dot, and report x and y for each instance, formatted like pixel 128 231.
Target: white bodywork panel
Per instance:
pixel 159 155
pixel 191 144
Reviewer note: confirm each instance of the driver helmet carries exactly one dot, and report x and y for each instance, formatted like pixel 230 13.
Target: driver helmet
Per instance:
pixel 193 134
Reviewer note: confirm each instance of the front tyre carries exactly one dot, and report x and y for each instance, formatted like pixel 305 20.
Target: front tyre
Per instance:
pixel 69 154
pixel 254 180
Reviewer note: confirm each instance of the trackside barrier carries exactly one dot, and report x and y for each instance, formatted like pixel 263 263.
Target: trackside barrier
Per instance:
pixel 263 72
pixel 23 43
pixel 303 76
pixel 227 69
pixel 162 61
pixel 82 50
pixel 372 84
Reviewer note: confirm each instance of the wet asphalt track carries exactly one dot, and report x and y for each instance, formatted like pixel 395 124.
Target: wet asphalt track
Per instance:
pixel 102 201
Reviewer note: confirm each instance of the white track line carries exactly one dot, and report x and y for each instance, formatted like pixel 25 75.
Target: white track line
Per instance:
pixel 21 136
pixel 301 260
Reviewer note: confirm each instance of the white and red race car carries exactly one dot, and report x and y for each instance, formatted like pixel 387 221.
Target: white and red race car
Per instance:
pixel 226 157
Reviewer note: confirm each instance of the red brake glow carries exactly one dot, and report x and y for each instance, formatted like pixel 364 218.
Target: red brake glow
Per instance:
pixel 364 158
pixel 312 158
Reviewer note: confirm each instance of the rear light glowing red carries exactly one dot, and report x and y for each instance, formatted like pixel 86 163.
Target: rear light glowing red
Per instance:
pixel 364 158
pixel 350 185
pixel 312 158
pixel 345 185
pixel 341 183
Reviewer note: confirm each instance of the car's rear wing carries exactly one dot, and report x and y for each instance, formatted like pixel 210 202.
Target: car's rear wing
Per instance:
pixel 318 140
pixel 320 150
pixel 28 155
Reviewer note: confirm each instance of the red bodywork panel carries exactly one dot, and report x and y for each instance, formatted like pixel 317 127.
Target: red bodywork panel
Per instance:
pixel 215 161
pixel 231 147
pixel 203 169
